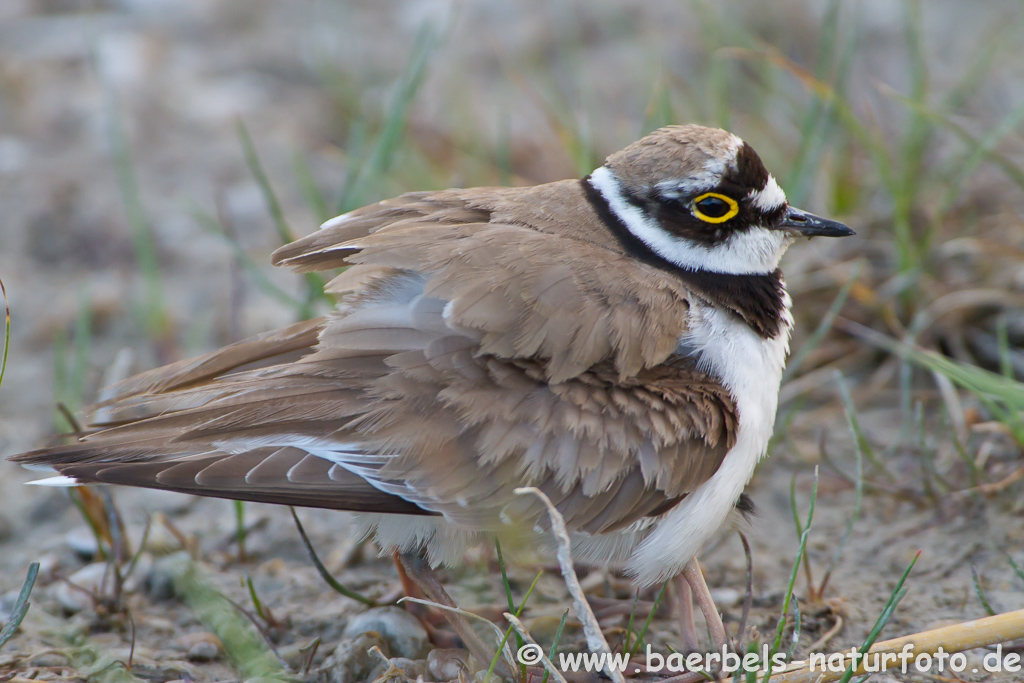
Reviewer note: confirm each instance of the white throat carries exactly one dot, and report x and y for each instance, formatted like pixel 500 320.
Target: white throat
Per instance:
pixel 754 251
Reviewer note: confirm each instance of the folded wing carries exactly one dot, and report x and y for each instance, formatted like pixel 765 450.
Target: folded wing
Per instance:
pixel 468 356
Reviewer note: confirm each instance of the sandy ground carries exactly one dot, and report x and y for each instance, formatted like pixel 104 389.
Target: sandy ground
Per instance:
pixel 175 75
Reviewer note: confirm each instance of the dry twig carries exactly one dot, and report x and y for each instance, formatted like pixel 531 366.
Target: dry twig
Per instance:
pixel 956 638
pixel 591 629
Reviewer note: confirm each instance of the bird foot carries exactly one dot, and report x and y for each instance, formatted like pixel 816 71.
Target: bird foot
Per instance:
pixel 692 588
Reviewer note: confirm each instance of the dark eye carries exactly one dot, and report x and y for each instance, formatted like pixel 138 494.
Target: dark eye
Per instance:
pixel 715 208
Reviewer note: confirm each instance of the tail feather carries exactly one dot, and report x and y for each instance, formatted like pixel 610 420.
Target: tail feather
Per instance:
pixel 320 483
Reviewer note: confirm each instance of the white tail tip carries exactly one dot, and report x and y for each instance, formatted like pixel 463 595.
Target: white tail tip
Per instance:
pixel 58 481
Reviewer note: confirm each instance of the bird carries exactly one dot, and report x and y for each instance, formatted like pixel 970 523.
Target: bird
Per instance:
pixel 616 341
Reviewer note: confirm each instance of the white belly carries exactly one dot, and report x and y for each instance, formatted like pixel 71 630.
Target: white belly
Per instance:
pixel 750 367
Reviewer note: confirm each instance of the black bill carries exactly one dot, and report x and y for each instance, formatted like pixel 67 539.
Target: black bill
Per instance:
pixel 809 225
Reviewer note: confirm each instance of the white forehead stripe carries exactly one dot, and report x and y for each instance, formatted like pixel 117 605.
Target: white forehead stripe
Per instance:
pixel 770 198
pixel 673 189
pixel 753 251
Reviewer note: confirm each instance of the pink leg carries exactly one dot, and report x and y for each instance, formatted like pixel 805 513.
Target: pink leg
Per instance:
pixel 695 578
pixel 684 609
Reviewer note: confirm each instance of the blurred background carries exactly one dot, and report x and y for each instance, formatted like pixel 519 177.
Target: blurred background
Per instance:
pixel 154 152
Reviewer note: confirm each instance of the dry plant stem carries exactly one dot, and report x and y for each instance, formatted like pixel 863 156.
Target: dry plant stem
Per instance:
pixel 424 577
pixel 591 629
pixel 956 638
pixel 517 625
pixel 690 677
pixel 827 636
pixel 684 607
pixel 693 576
pixel 994 487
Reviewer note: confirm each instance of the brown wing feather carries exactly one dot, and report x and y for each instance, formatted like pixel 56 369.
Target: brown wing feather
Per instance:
pixel 270 345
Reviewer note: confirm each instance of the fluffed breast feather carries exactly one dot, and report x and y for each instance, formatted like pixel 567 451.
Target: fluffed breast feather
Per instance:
pixel 475 349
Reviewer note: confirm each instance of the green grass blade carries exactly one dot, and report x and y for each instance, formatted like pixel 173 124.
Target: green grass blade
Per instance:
pixel 793 506
pixel 313 195
pixel 981 593
pixel 252 269
pixel 650 618
pixel 21 605
pixel 554 643
pixel 801 551
pixel 314 281
pixel 82 343
pixel 1003 342
pixel 508 597
pixel 629 624
pixel 1001 394
pixel 890 606
pixel 252 161
pixel 508 632
pixel 817 116
pixel 324 574
pixel 360 182
pixel 256 602
pixel 241 533
pixel 504 577
pixel 249 654
pixel 1016 567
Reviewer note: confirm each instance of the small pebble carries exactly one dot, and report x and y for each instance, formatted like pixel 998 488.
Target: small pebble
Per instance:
pixel 446 665
pixel 137 579
pixel 302 652
pixel 352 660
pixel 190 639
pixel 403 632
pixel 48 659
pixel 76 594
pixel 159 580
pixel 48 565
pixel 413 668
pixel 726 597
pixel 203 651
pixel 481 677
pixel 82 542
pixel 160 540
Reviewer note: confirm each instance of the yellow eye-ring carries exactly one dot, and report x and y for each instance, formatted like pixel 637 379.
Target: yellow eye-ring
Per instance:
pixel 712 207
